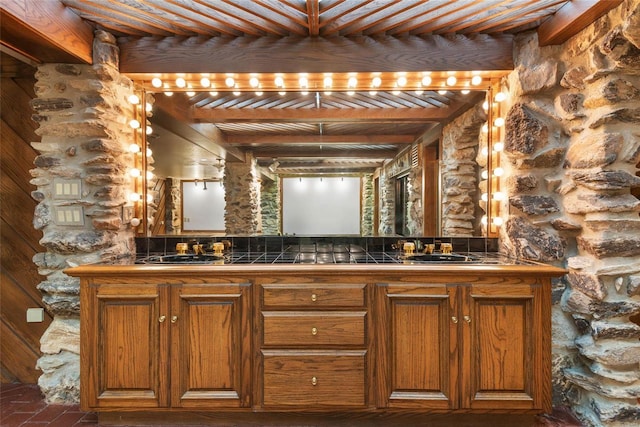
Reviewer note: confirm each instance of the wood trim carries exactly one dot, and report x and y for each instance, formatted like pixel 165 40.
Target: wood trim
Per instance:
pixel 572 18
pixel 319 139
pixel 316 54
pixel 46 30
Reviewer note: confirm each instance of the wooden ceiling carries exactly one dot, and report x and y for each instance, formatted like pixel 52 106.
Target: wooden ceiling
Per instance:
pixel 307 129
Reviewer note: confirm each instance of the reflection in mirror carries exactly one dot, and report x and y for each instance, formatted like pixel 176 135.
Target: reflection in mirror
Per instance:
pixel 432 184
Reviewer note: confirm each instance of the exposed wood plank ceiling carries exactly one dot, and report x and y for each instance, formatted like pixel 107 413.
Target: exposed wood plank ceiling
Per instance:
pixel 308 133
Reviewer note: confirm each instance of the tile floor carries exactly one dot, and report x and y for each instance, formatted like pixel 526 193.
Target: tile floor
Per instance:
pixel 21 405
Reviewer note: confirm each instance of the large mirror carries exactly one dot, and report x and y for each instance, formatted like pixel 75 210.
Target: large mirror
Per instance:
pixel 392 142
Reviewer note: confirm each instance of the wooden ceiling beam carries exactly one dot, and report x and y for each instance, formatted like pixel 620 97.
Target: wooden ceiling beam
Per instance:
pixel 397 115
pixel 320 139
pixel 572 18
pixel 320 153
pixel 46 31
pixel 316 54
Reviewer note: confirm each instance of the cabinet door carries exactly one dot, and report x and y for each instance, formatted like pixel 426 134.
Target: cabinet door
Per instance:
pixel 506 350
pixel 210 350
pixel 417 355
pixel 124 346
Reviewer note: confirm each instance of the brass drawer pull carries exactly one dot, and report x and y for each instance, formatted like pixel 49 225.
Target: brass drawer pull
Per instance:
pixel 162 318
pixel 314 297
pixel 314 331
pixel 454 319
pixel 467 319
pixel 174 319
pixel 314 381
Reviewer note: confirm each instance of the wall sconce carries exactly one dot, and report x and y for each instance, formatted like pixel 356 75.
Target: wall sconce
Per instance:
pixel 274 166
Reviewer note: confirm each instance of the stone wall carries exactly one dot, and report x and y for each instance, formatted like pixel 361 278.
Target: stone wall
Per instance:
pixel 459 173
pixel 415 212
pixel 270 206
pixel 242 198
pixel 573 147
pixel 387 205
pixel 83 117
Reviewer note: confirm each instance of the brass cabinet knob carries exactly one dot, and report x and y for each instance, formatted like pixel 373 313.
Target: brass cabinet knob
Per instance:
pixel 314 381
pixel 162 319
pixel 467 319
pixel 314 331
pixel 174 319
pixel 454 319
pixel 314 297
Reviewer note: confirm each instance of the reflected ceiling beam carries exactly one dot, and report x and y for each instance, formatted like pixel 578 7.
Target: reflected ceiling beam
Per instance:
pixel 316 54
pixel 323 153
pixel 319 139
pixel 397 115
pixel 46 31
pixel 171 113
pixel 572 18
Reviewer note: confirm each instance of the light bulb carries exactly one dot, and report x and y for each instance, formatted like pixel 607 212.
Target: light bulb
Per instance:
pixel 442 92
pixel 156 82
pixel 190 93
pixel 254 82
pixel 498 195
pixel 498 146
pixel 476 80
pixel 282 93
pixel 500 96
pixel 279 81
pixel 352 82
pixel 484 174
pixel 134 197
pixel 351 92
pixel 134 99
pixel 485 128
pixel 498 122
pixel 149 198
pixel 484 197
pixel 134 172
pixel 395 92
pixel 483 220
pixel 205 82
pixel 135 222
pixel 426 80
pixel 328 82
pixel 373 92
pixel 134 124
pixel 484 151
pixel 485 106
pixel 150 175
pixel 180 82
pixel 304 93
pixel 376 82
pixel 419 92
pixel 402 80
pixel 230 82
pixel 149 130
pixel 134 148
pixel 236 92
pixel 498 171
pixel 451 80
pixel 304 82
pixel 497 221
pixel 168 93
pixel 465 91
pixel 259 93
pixel 148 107
pixel 149 152
pixel 213 93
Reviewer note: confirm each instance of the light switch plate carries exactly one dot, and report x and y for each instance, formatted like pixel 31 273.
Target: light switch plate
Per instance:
pixel 35 315
pixel 69 215
pixel 66 188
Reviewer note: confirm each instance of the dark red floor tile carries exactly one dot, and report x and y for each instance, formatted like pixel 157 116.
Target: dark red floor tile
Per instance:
pixel 49 413
pixel 15 419
pixel 67 419
pixel 89 417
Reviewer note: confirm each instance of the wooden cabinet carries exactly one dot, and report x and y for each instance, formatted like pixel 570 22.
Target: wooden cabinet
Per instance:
pixel 464 346
pixel 158 346
pixel 314 345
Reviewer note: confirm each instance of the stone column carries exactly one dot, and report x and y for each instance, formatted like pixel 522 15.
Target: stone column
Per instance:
pixel 572 138
pixel 415 211
pixel 270 206
pixel 387 205
pixel 81 179
pixel 242 198
pixel 366 221
pixel 459 171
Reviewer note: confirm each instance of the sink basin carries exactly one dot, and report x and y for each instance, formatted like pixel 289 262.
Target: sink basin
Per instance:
pixel 183 259
pixel 419 258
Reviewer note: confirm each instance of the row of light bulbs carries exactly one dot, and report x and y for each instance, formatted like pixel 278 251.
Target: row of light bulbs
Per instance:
pixel 304 84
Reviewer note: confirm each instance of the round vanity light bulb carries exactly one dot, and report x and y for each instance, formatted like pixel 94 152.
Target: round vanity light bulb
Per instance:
pixel 476 80
pixel 149 130
pixel 190 93
pixel 230 82
pixel 213 93
pixel 282 93
pixel 149 152
pixel 304 93
pixel 498 171
pixel 352 82
pixel 442 92
pixel 135 222
pixel 498 146
pixel 328 82
pixel 484 151
pixel 484 174
pixel 498 122
pixel 498 195
pixel 373 92
pixel 148 107
pixel 451 80
pixel 351 92
pixel 484 197
pixel 150 175
pixel 259 93
pixel 376 82
pixel 134 124
pixel 180 82
pixel 205 82
pixel 134 99
pixel 419 92
pixel 485 106
pixel 304 82
pixel 134 172
pixel 497 221
pixel 402 80
pixel 134 148
pixel 500 96
pixel 168 93
pixel 236 92
pixel 465 91
pixel 426 80
pixel 279 81
pixel 254 82
pixel 149 198
pixel 156 82
pixel 134 197
pixel 485 128
pixel 483 220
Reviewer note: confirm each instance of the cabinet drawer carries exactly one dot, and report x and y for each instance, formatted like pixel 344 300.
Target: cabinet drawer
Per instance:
pixel 319 378
pixel 313 295
pixel 293 328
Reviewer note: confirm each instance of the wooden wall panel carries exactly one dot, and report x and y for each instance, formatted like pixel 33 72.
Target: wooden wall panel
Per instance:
pixel 19 241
